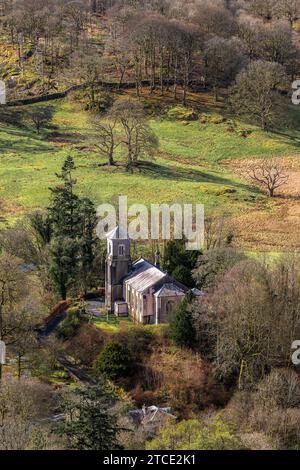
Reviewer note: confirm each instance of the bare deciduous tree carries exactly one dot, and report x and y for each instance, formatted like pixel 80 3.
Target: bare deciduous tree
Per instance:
pixel 214 18
pixel 107 139
pixel 288 9
pixel 86 69
pixel 262 8
pixel 219 231
pixel 12 288
pixel 269 174
pixel 23 404
pixel 40 117
pixel 246 324
pixel 138 138
pixel 257 92
pixel 223 60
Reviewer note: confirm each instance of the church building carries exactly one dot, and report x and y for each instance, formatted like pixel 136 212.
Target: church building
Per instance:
pixel 140 289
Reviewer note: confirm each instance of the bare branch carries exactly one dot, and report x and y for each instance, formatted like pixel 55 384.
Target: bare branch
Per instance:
pixel 269 174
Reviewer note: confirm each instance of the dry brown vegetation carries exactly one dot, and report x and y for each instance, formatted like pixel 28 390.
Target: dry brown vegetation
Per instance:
pixel 271 225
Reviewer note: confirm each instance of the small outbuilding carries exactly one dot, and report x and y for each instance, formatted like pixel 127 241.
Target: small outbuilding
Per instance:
pixel 121 308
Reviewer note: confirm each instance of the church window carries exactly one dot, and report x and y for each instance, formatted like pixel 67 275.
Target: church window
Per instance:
pixel 169 306
pixel 121 250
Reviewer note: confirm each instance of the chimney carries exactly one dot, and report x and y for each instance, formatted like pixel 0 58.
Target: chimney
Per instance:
pixel 157 258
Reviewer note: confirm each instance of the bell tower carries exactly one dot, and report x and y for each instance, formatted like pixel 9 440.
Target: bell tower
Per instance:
pixel 118 265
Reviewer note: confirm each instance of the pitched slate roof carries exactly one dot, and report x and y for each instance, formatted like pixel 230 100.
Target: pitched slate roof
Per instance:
pixel 144 275
pixel 197 293
pixel 169 290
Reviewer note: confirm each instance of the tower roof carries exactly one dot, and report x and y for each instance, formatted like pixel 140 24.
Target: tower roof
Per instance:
pixel 118 233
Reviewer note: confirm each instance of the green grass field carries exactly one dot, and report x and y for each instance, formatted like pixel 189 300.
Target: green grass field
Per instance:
pixel 114 324
pixel 190 165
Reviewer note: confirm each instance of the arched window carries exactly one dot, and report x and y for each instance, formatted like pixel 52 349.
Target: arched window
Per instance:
pixel 169 306
pixel 121 250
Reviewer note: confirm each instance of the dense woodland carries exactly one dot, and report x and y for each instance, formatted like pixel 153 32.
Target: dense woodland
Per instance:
pixel 167 45
pixel 223 364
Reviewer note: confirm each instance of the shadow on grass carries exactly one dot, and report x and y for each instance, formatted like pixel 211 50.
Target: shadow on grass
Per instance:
pixel 288 197
pixel 24 143
pixel 290 138
pixel 156 171
pixel 12 117
pixel 286 124
pixel 65 137
pixel 26 139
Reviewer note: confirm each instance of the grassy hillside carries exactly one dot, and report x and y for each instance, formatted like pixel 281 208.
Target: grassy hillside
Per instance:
pixel 196 162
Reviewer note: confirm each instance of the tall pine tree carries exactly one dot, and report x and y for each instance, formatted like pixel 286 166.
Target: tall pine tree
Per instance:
pixel 64 264
pixel 65 206
pixel 88 242
pixel 182 330
pixel 73 239
pixel 88 422
pixel 179 262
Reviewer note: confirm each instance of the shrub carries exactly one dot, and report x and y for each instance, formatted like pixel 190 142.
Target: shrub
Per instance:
pixel 103 102
pixel 86 344
pixel 245 132
pixel 40 117
pixel 217 119
pixel 94 292
pixel 178 377
pixel 70 324
pixel 281 388
pixel 114 361
pixel 203 118
pixel 196 435
pixel 233 128
pixel 180 113
pixel 137 340
pixel 212 119
pixel 143 397
pixel 74 310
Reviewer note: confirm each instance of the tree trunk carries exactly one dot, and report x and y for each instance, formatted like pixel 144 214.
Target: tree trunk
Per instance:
pixel 121 77
pixel 161 73
pixel 175 78
pixel 184 94
pixel 216 93
pixel 263 123
pixel 63 290
pixel 111 161
pixel 19 365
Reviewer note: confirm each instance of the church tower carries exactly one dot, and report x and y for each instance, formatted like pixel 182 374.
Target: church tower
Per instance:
pixel 118 265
